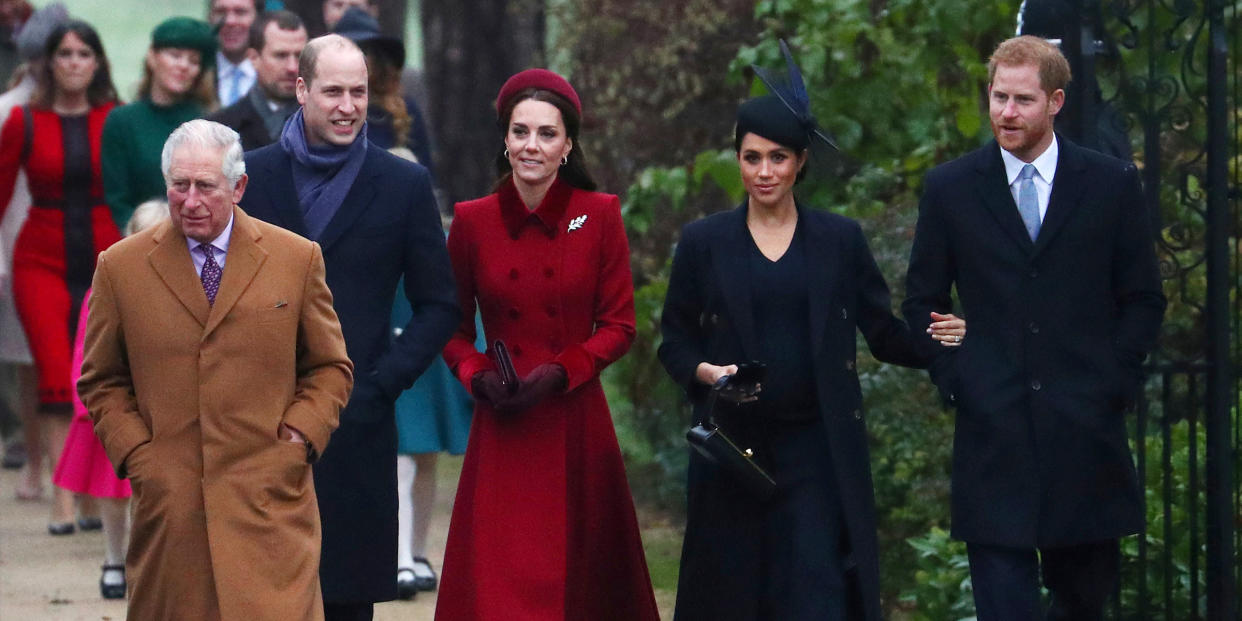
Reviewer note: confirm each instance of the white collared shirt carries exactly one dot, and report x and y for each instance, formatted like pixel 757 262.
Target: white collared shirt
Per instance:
pixel 219 248
pixel 1045 170
pixel 224 79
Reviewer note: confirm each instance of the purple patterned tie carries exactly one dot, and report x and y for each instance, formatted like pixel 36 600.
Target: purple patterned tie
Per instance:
pixel 211 273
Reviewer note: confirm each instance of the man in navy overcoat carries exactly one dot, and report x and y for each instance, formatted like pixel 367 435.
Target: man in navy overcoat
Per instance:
pixel 1051 252
pixel 376 219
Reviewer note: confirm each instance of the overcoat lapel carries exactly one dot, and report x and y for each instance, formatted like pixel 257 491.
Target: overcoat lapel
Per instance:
pixel 356 202
pixel 245 257
pixel 1067 186
pixel 821 279
pixel 284 195
pixel 729 260
pixel 993 189
pixel 171 261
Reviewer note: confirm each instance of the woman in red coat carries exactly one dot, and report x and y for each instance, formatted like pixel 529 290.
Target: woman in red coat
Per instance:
pixel 56 139
pixel 543 527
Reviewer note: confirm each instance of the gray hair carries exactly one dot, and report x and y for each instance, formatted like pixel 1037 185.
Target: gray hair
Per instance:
pixel 146 215
pixel 204 134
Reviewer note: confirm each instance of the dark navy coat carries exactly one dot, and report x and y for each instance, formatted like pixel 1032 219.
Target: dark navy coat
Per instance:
pixel 708 317
pixel 387 227
pixel 1058 329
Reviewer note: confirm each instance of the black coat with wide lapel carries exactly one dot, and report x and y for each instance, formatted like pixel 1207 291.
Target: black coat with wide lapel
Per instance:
pixel 387 228
pixel 242 118
pixel 1057 331
pixel 708 317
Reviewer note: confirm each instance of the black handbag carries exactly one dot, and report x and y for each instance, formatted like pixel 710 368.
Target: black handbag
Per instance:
pixel 711 442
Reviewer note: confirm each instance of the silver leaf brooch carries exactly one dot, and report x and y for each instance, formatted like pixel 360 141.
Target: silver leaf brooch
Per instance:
pixel 576 223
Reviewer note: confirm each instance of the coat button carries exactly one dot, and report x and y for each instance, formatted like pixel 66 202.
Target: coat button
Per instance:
pixel 1035 385
pixel 1034 273
pixel 845 314
pixel 547 271
pixel 513 274
pixel 517 350
pixel 551 311
pixel 849 365
pixel 514 314
pixel 1033 327
pixel 857 414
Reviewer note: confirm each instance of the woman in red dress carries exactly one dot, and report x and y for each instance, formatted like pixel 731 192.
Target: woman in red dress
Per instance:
pixel 56 139
pixel 543 526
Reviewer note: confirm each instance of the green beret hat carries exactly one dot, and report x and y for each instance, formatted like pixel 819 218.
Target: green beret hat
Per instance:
pixel 187 33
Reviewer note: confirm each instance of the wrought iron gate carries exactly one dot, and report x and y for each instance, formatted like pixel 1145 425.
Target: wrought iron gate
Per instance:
pixel 1165 75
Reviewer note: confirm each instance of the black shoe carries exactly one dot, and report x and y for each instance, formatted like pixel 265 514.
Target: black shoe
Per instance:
pixel 90 523
pixel 112 591
pixel 407 583
pixel 425 583
pixel 60 528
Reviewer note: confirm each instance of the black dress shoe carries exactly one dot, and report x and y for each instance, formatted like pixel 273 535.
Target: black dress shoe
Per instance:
pixel 90 523
pixel 112 591
pixel 407 585
pixel 60 528
pixel 425 583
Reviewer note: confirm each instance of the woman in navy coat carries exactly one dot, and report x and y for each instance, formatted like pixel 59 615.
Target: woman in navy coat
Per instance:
pixel 779 283
pixel 543 527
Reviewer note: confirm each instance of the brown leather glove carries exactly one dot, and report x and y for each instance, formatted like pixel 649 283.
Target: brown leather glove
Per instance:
pixel 486 386
pixel 542 381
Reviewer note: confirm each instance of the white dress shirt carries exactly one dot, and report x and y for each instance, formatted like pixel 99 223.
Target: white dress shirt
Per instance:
pixel 225 72
pixel 219 249
pixel 1045 170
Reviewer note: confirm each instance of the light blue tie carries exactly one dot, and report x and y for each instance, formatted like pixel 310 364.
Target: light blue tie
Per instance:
pixel 234 86
pixel 1028 201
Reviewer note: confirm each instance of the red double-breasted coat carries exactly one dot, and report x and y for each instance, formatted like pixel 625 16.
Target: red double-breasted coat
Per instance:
pixel 543 526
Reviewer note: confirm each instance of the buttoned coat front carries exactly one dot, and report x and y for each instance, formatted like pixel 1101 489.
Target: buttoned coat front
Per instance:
pixel 1058 330
pixel 187 399
pixel 543 526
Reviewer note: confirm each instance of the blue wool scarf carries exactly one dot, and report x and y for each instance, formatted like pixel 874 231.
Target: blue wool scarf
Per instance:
pixel 321 175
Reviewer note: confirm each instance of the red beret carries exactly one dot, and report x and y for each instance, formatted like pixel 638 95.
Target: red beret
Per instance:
pixel 540 79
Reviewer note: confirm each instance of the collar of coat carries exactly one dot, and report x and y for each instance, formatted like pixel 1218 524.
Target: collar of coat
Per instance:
pixel 547 215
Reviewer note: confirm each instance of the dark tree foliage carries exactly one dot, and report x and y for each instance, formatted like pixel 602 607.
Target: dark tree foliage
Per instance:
pixel 470 49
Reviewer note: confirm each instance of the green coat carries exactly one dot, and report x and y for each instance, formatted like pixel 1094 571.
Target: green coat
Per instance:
pixel 133 138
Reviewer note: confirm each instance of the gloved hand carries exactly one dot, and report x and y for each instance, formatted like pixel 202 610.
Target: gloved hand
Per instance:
pixel 539 384
pixel 486 385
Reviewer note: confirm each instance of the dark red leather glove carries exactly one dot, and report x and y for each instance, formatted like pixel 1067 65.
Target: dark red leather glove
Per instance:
pixel 539 384
pixel 486 386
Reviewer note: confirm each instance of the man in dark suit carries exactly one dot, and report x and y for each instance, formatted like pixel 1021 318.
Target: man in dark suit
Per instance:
pixel 1051 252
pixel 374 215
pixel 276 41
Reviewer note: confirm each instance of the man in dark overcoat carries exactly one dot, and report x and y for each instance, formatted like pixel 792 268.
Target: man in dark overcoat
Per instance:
pixel 374 215
pixel 276 41
pixel 1051 252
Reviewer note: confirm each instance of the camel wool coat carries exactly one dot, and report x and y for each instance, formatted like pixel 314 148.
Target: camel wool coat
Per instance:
pixel 187 399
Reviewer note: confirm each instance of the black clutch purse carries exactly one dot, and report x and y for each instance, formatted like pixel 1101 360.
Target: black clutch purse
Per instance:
pixel 504 366
pixel 711 442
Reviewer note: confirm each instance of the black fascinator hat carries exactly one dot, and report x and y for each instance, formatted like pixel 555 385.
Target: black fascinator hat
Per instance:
pixel 784 116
